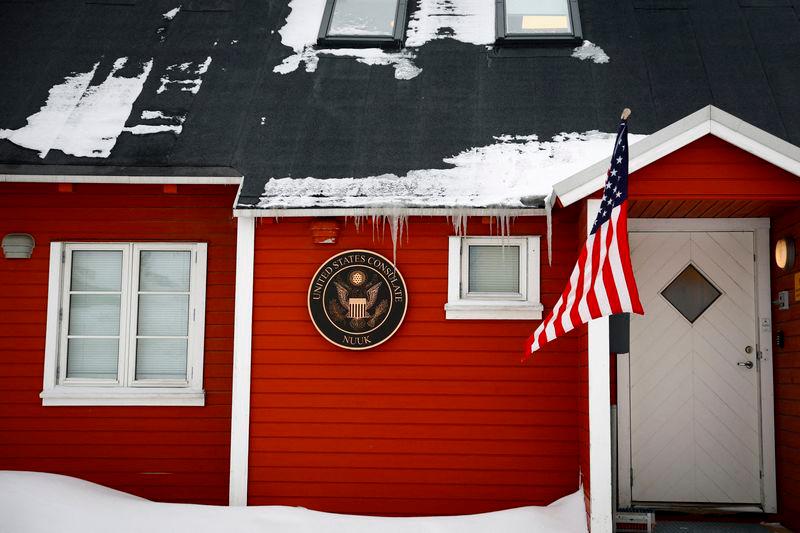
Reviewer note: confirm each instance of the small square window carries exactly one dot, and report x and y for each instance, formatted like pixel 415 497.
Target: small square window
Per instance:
pixel 493 278
pixel 125 324
pixel 538 20
pixel 363 23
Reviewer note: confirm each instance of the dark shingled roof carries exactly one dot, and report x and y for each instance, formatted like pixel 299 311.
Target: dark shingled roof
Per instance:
pixel 668 59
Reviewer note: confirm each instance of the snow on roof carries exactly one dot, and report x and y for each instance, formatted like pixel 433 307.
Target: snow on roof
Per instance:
pixel 468 21
pixel 507 174
pixel 80 119
pixel 32 502
pixel 84 118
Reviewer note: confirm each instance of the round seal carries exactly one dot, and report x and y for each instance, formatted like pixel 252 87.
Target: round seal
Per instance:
pixel 357 299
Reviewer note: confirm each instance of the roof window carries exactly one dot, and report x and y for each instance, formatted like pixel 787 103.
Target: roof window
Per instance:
pixel 363 23
pixel 537 20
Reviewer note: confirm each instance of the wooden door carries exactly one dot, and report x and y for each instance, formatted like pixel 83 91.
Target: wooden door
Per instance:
pixel 694 383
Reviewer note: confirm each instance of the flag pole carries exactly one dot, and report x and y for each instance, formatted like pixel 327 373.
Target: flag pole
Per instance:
pixel 626 113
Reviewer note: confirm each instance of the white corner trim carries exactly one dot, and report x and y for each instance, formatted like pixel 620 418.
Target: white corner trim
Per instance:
pixel 242 357
pixel 764 305
pixel 708 120
pixel 131 180
pixel 63 395
pixel 53 303
pixel 599 355
pixel 624 494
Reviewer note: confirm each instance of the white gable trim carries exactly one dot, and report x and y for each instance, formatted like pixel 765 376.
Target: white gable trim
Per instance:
pixel 708 120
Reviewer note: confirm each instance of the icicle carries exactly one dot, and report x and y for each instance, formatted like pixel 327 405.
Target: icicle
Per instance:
pixel 548 210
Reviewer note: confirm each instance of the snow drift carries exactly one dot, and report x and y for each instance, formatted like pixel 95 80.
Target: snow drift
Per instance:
pixel 32 502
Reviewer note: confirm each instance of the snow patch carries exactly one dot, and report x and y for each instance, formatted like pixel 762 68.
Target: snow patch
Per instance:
pixel 147 129
pixel 169 15
pixel 31 502
pixel 402 61
pixel 81 119
pixel 191 85
pixel 589 50
pixel 468 21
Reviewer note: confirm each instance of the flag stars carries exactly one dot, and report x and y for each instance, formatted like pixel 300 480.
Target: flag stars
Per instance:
pixel 613 171
pixel 619 160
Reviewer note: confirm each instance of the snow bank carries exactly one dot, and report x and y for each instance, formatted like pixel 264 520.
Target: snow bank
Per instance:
pixel 502 174
pixel 32 502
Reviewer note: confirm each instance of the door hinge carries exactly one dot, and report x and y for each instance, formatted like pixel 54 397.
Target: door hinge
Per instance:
pixel 631 477
pixel 761 474
pixel 63 256
pixel 60 314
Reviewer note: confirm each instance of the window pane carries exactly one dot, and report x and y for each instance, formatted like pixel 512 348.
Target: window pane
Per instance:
pixel 161 358
pixel 538 16
pixel 92 358
pixel 494 269
pixel 163 314
pixel 363 17
pixel 96 270
pixel 94 314
pixel 164 271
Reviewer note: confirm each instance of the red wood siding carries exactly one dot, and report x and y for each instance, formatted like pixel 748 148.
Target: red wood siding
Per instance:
pixel 178 454
pixel 441 419
pixel 712 169
pixel 787 379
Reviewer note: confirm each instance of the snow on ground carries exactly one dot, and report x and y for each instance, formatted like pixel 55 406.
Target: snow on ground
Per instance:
pixel 502 174
pixel 32 502
pixel 80 119
pixel 589 50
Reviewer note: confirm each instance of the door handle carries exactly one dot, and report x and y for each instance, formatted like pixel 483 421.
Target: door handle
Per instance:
pixel 747 364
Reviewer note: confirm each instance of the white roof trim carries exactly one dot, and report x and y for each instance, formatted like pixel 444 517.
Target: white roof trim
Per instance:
pixel 708 120
pixel 389 211
pixel 133 180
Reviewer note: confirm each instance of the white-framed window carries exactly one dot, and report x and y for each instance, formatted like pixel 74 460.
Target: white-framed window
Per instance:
pixel 125 324
pixel 493 278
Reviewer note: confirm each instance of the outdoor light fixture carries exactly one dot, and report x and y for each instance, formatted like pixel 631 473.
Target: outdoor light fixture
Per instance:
pixel 18 246
pixel 784 253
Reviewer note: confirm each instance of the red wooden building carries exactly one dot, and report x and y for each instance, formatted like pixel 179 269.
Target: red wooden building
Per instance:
pixel 228 280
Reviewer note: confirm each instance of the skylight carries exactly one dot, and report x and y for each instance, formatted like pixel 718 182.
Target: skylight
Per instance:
pixel 363 23
pixel 531 20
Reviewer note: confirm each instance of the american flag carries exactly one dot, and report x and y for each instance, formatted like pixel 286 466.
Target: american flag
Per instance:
pixel 602 282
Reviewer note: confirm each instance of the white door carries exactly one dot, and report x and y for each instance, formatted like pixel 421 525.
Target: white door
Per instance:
pixel 694 396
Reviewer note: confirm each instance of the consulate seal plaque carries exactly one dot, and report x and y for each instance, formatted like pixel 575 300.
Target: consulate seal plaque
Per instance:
pixel 357 299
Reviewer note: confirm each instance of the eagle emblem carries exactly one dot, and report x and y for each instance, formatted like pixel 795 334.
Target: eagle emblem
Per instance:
pixel 356 305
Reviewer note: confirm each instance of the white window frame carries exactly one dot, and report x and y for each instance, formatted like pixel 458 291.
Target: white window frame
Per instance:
pixel 463 305
pixel 125 389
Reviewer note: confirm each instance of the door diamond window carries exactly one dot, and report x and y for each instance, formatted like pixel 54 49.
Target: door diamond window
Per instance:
pixel 691 293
